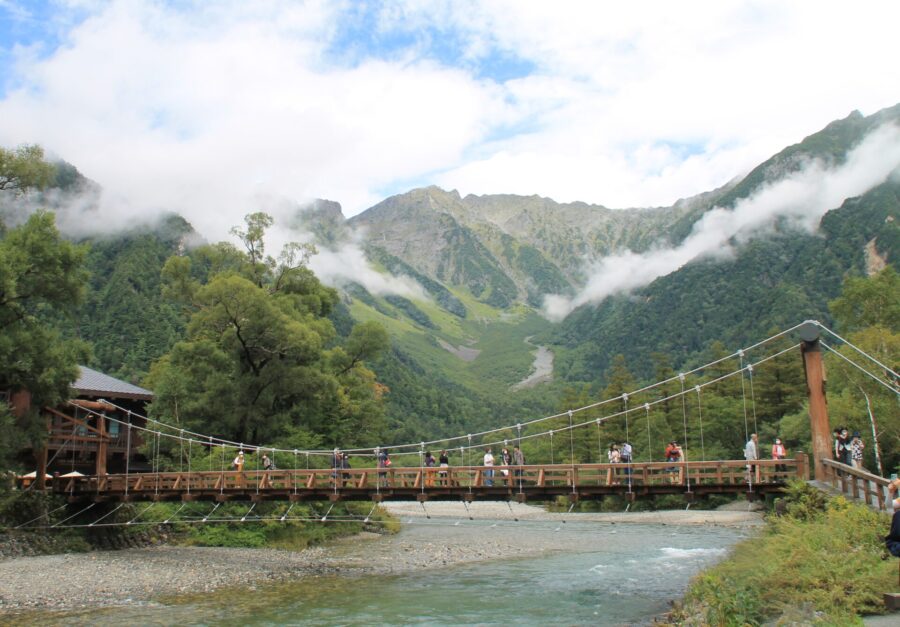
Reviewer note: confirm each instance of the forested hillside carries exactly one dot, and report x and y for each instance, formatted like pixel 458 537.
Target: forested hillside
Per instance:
pixel 773 281
pixel 485 264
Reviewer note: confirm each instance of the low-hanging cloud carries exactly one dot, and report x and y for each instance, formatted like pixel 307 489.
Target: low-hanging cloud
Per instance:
pixel 338 263
pixel 349 264
pixel 801 198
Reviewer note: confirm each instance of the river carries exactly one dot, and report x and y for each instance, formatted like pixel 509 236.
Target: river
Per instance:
pixel 584 574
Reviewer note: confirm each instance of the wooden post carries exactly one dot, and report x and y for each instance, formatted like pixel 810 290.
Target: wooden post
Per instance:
pixel 818 406
pixel 41 474
pixel 41 456
pixel 101 445
pixel 802 470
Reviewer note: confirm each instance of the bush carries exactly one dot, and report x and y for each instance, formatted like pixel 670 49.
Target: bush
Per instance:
pixel 669 501
pixel 251 536
pixel 831 559
pixel 715 501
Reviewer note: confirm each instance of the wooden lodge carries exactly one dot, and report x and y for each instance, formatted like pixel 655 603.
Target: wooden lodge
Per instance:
pixel 81 438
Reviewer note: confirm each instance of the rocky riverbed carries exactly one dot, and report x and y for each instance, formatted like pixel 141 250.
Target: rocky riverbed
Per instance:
pixel 487 531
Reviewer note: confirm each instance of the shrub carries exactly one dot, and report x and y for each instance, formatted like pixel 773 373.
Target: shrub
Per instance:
pixel 830 559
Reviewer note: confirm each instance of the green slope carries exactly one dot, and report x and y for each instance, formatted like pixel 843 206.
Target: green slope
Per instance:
pixel 771 283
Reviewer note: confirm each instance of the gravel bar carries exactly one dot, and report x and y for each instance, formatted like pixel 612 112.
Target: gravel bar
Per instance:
pixel 439 533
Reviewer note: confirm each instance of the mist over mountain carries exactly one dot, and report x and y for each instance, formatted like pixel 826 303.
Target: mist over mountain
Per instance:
pixel 465 284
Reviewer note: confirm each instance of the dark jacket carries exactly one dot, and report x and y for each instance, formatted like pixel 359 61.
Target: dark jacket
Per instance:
pixel 892 541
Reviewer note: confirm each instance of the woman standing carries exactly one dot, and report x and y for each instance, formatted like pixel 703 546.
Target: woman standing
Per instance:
pixel 444 461
pixel 429 473
pixel 505 460
pixel 614 458
pixel 779 452
pixel 856 451
pixel 673 454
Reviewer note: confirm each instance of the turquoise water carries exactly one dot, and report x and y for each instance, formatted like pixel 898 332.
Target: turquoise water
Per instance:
pixel 606 575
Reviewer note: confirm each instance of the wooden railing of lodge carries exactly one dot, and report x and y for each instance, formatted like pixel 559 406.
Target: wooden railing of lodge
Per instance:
pixel 469 482
pixel 858 483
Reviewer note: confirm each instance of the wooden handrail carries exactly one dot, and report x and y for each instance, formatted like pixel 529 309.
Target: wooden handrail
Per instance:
pixel 849 479
pixel 539 480
pixel 856 472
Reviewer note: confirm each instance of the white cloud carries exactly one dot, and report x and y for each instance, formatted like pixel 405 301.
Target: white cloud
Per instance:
pixel 200 108
pixel 348 263
pixel 802 198
pixel 209 108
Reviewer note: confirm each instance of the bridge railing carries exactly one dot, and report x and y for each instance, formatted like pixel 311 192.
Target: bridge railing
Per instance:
pixel 435 479
pixel 858 484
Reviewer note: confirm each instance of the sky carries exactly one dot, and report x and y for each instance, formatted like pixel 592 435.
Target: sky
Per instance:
pixel 215 109
pixel 201 106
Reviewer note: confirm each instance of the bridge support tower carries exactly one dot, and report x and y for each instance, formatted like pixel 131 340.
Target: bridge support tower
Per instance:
pixel 818 405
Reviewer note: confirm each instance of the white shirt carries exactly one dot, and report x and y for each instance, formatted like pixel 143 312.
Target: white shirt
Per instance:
pixel 750 451
pixel 488 459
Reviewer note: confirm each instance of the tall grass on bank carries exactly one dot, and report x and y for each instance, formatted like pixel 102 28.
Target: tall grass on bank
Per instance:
pixel 824 559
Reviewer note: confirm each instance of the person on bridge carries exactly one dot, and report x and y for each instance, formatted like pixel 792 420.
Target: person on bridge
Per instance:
pixel 519 461
pixel 382 460
pixel 506 460
pixel 267 463
pixel 845 447
pixel 779 452
pixel 625 457
pixel 856 451
pixel 345 465
pixel 837 444
pixel 429 473
pixel 614 458
pixel 673 454
pixel 238 465
pixel 337 462
pixel 444 461
pixel 892 540
pixel 489 467
pixel 751 454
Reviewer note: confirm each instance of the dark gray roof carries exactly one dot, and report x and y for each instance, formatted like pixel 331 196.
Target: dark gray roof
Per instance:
pixel 93 383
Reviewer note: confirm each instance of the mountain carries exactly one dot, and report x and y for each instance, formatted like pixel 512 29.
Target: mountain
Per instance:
pixel 485 263
pixel 506 251
pixel 505 248
pixel 772 282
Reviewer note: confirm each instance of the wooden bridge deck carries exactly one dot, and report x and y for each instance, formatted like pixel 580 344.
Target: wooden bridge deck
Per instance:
pixel 532 482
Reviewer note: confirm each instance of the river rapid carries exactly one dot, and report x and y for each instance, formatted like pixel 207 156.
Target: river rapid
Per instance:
pixel 577 573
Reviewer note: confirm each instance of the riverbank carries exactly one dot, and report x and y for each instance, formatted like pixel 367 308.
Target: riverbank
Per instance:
pixel 823 561
pixel 138 576
pixel 492 510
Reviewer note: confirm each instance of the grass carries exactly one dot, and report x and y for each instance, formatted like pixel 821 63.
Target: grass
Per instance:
pixel 289 535
pixel 824 560
pixel 505 358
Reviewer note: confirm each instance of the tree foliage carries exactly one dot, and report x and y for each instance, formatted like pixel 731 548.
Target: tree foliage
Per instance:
pixel 261 361
pixel 39 272
pixel 864 395
pixel 24 168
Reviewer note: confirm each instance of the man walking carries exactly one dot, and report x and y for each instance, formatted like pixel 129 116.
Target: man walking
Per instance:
pixel 519 461
pixel 751 454
pixel 489 470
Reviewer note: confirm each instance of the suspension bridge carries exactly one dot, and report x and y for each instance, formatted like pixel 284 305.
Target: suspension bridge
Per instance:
pixel 169 471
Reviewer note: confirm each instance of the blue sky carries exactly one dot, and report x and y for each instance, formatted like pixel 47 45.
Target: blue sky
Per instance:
pixel 230 101
pixel 360 36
